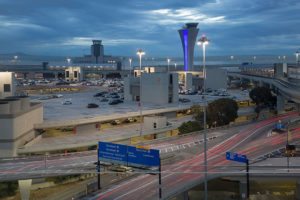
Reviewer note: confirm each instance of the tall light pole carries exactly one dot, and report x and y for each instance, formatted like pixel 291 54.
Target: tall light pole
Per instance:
pixel 130 68
pixel 203 41
pixel 168 60
pixel 140 53
pixel 175 64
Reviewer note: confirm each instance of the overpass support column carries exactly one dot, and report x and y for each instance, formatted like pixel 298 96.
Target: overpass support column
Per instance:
pixel 280 103
pixel 298 107
pixel 183 196
pixel 24 187
pixel 298 190
pixel 243 190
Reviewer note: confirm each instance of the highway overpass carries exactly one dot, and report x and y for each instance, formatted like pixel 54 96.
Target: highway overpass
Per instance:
pixel 285 89
pixel 179 176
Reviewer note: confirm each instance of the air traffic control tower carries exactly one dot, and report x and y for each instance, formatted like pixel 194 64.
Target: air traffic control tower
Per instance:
pixel 188 35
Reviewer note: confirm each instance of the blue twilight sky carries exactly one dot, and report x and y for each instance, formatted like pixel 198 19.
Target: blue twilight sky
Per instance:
pixel 235 27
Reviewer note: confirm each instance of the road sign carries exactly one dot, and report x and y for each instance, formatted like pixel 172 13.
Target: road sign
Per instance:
pixel 112 152
pixel 123 154
pixel 148 157
pixel 236 157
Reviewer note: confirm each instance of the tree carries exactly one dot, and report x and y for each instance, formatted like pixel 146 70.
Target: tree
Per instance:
pixel 190 126
pixel 196 111
pixel 262 97
pixel 221 112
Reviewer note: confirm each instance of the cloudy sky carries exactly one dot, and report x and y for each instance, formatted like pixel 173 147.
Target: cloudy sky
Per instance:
pixel 235 27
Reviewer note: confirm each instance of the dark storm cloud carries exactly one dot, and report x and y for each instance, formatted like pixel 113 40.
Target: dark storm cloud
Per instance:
pixel 67 27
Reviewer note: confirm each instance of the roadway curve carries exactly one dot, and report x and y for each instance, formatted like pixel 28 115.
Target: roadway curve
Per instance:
pixel 190 172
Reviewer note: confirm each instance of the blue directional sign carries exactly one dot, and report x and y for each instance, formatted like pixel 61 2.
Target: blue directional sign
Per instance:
pixel 279 126
pixel 148 157
pixel 236 157
pixel 112 152
pixel 123 154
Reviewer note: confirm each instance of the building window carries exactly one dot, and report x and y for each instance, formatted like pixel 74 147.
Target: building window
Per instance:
pixel 6 88
pixel 154 125
pixel 67 74
pixel 75 74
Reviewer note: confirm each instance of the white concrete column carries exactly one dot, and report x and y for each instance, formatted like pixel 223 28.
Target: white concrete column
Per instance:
pixel 280 103
pixel 243 190
pixel 24 187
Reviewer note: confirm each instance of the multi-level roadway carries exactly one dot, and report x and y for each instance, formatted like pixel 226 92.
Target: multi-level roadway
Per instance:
pixel 189 172
pixel 186 172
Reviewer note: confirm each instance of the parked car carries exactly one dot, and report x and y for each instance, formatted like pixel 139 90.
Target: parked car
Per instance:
pixel 104 100
pixel 67 102
pixel 100 94
pixel 115 122
pixel 129 120
pixel 92 105
pixel 115 96
pixel 184 100
pixel 115 101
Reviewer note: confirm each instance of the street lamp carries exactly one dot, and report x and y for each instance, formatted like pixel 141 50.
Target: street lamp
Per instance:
pixel 130 61
pixel 168 60
pixel 68 60
pixel 283 57
pixel 203 41
pixel 140 53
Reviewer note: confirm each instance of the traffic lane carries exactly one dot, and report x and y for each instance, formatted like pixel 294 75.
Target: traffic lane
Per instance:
pixel 183 165
pixel 237 139
pixel 41 164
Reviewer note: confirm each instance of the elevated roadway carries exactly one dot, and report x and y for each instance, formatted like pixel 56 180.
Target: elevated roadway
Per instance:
pixel 189 172
pixel 287 89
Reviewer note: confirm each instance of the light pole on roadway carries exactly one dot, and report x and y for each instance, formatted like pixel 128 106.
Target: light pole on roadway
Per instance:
pixel 140 53
pixel 130 68
pixel 203 41
pixel 168 60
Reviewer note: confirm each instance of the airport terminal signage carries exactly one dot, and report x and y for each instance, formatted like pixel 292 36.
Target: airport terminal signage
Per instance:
pixel 112 152
pixel 123 154
pixel 236 157
pixel 148 157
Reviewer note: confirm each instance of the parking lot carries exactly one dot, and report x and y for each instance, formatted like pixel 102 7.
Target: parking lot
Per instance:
pixel 54 109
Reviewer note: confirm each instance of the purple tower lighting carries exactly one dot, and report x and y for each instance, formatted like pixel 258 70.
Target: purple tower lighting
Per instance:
pixel 188 35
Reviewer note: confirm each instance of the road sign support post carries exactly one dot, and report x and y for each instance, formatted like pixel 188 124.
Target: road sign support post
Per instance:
pixel 248 183
pixel 159 179
pixel 242 159
pixel 98 170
